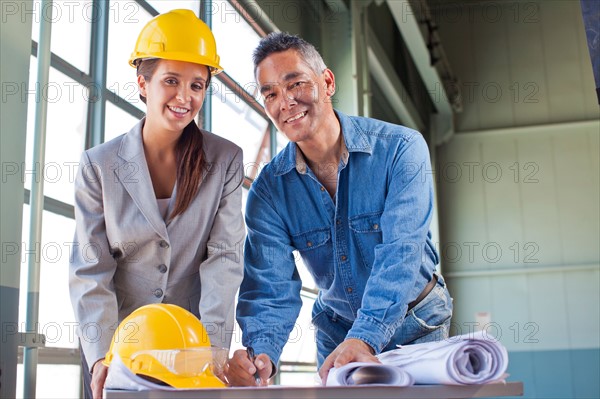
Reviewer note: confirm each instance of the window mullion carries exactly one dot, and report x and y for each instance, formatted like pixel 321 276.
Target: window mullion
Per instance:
pixel 99 55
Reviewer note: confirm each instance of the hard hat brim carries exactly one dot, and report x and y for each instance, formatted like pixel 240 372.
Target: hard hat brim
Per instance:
pixel 215 68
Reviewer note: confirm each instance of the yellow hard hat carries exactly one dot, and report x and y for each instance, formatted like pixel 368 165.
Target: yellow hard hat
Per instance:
pixel 177 35
pixel 168 344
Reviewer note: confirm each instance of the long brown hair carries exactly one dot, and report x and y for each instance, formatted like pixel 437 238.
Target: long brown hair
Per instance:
pixel 188 150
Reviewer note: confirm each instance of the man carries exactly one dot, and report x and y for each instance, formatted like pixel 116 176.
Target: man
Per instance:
pixel 353 196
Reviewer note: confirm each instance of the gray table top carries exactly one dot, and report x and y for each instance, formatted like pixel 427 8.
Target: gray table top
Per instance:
pixel 318 392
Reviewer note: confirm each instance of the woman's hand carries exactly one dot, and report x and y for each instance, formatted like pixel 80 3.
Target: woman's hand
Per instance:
pixel 99 372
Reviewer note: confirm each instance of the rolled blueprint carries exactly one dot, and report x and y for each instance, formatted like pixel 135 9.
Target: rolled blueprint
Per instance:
pixel 368 374
pixel 475 358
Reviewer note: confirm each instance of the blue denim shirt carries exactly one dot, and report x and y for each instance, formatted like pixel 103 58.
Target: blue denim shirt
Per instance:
pixel 369 250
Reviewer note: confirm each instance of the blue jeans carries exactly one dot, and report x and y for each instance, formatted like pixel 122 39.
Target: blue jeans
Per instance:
pixel 428 321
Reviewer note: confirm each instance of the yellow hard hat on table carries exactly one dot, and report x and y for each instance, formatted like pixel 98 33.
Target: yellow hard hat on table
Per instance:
pixel 167 344
pixel 177 35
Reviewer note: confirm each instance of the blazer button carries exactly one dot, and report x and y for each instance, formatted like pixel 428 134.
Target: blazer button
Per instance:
pixel 162 268
pixel 163 244
pixel 158 292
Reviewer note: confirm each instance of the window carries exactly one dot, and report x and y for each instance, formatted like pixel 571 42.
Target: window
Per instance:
pixel 56 319
pixel 48 375
pixel 238 122
pixel 71 23
pixel 67 97
pixel 65 132
pixel 163 6
pixel 235 42
pixel 127 19
pixel 117 121
pixel 56 315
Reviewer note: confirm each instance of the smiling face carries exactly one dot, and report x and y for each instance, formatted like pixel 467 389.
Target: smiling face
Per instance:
pixel 174 94
pixel 297 99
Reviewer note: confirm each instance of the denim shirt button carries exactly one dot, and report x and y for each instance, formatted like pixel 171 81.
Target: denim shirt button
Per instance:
pixel 343 257
pixel 375 226
pixel 349 289
pixel 338 222
pixel 309 243
pixel 322 188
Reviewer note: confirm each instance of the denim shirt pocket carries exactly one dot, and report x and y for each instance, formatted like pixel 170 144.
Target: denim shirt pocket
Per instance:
pixel 366 231
pixel 317 254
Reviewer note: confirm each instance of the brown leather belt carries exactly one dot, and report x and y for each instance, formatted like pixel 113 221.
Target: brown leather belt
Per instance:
pixel 425 292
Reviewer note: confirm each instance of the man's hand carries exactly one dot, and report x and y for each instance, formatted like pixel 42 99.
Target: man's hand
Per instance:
pixel 99 372
pixel 351 350
pixel 240 369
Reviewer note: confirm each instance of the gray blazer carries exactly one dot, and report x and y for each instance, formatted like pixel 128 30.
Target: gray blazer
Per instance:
pixel 126 256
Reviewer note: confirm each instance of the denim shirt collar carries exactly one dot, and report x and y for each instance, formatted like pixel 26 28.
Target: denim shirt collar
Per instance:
pixel 354 141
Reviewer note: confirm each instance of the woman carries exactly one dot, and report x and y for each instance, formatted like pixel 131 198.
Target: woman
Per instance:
pixel 158 209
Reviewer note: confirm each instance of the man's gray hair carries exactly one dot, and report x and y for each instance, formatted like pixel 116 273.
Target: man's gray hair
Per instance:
pixel 277 42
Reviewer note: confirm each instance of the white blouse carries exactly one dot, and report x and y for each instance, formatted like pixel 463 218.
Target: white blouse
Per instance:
pixel 163 206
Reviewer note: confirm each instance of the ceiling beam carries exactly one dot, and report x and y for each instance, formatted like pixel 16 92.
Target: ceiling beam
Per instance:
pixel 394 91
pixel 406 20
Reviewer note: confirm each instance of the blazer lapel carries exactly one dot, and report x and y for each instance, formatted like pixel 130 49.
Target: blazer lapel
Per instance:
pixel 133 173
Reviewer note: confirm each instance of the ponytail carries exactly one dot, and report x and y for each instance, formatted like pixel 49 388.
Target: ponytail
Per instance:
pixel 190 167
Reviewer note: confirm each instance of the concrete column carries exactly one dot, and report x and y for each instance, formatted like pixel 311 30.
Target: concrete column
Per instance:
pixel 15 52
